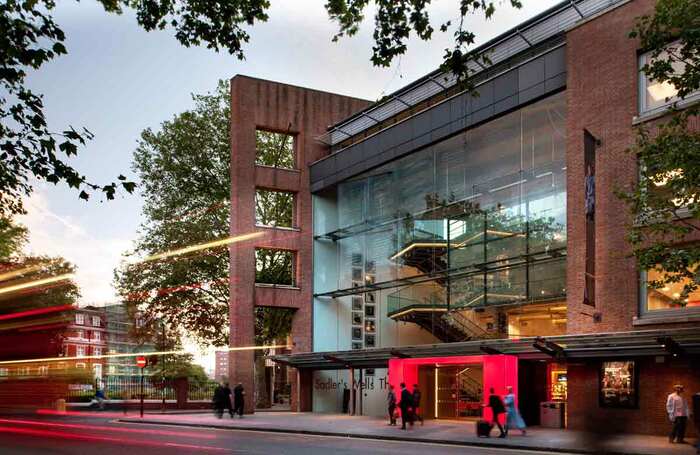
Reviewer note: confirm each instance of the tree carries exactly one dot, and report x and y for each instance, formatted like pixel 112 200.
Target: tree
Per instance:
pixel 30 38
pixel 32 283
pixel 664 203
pixel 184 170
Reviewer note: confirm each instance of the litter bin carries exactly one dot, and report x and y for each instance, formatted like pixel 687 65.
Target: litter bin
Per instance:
pixel 552 414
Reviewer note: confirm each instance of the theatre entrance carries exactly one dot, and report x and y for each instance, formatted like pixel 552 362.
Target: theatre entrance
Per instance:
pixel 451 391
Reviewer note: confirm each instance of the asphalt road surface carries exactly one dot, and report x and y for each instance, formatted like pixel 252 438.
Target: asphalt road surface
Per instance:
pixel 36 434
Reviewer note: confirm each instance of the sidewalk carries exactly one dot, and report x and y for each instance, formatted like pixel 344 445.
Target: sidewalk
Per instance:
pixel 436 431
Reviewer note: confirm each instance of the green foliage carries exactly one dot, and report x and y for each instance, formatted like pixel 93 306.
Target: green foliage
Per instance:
pixel 274 208
pixel 274 149
pixel 274 267
pixel 30 38
pixel 184 170
pixel 12 238
pixel 664 202
pixel 396 19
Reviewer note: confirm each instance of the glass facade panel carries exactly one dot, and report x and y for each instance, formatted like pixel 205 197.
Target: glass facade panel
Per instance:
pixel 476 221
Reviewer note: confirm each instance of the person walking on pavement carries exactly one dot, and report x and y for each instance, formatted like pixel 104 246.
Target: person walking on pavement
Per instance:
pixel 696 418
pixel 677 409
pixel 218 400
pixel 226 400
pixel 416 404
pixel 406 405
pixel 391 405
pixel 238 400
pixel 497 408
pixel 513 417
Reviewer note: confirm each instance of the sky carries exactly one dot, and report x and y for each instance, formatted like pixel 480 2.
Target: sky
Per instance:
pixel 118 80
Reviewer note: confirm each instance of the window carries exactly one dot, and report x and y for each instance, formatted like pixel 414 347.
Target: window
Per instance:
pixel 668 296
pixel 80 351
pixel 96 336
pixel 80 365
pixel 43 370
pixel 274 267
pixel 274 208
pixel 4 372
pixel 79 318
pixel 80 334
pixel 274 149
pixel 95 321
pixel 97 368
pixel 96 351
pixel 655 96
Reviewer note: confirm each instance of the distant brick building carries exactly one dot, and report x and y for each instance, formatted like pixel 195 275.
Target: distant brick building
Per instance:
pixel 221 365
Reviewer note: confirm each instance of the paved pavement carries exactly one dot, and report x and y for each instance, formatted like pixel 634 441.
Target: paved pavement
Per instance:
pixel 448 432
pixel 95 434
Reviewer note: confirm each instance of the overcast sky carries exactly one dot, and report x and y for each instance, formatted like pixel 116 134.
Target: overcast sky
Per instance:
pixel 118 80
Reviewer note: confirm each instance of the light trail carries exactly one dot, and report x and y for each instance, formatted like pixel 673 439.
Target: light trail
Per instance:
pixel 105 428
pixel 35 283
pixel 134 354
pixel 203 246
pixel 85 437
pixel 22 325
pixel 22 314
pixel 6 276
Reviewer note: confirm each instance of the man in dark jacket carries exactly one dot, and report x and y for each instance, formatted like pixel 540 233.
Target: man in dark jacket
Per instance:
pixel 218 400
pixel 416 404
pixel 226 400
pixel 497 408
pixel 406 405
pixel 238 394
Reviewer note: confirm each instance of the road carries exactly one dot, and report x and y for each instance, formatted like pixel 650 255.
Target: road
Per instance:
pixel 37 434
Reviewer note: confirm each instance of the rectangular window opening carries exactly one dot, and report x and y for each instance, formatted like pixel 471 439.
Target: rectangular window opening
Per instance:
pixel 275 267
pixel 275 149
pixel 274 208
pixel 659 294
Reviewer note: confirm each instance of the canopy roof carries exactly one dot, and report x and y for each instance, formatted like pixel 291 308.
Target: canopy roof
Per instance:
pixel 609 345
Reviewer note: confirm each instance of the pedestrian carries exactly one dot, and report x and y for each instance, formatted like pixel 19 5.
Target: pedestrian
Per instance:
pixel 218 400
pixel 391 405
pixel 416 404
pixel 406 405
pixel 100 397
pixel 238 399
pixel 677 409
pixel 513 417
pixel 497 408
pixel 696 418
pixel 226 400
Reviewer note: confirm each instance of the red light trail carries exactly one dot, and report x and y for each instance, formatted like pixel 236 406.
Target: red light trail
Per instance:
pixel 23 314
pixel 85 437
pixel 106 428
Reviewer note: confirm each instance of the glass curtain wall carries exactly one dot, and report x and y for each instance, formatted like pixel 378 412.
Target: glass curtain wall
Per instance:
pixel 479 217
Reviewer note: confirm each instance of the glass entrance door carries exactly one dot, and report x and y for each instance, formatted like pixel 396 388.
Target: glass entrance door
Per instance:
pixel 459 391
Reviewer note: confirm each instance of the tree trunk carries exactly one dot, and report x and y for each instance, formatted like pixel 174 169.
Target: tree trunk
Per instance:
pixel 262 388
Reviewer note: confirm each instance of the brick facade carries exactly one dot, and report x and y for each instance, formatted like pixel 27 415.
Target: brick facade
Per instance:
pixel 602 97
pixel 305 113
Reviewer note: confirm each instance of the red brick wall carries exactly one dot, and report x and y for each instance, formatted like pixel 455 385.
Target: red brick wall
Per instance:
pixel 656 381
pixel 269 105
pixel 602 98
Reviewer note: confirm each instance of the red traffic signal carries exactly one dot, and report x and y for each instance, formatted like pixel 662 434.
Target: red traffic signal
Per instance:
pixel 141 361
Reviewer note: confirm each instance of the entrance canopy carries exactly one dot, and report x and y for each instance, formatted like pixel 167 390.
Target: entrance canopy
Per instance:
pixel 675 342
